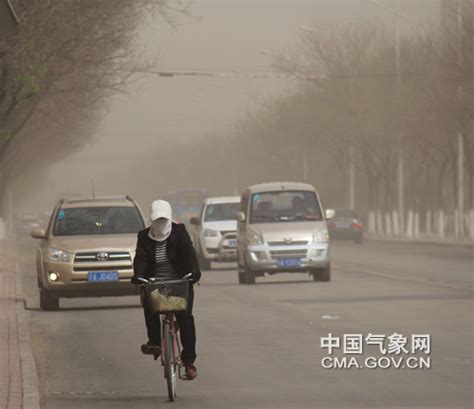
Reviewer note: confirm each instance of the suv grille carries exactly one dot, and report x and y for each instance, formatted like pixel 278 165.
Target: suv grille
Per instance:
pixel 102 267
pixel 275 254
pixel 102 260
pixel 99 256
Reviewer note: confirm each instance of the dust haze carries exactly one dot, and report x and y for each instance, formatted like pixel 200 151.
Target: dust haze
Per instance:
pixel 171 133
pixel 369 103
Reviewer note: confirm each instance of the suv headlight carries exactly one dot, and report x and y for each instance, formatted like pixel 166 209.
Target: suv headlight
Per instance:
pixel 58 256
pixel 254 238
pixel 210 233
pixel 322 236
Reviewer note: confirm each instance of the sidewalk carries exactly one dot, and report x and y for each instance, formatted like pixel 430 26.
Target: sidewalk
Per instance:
pixel 449 241
pixel 18 384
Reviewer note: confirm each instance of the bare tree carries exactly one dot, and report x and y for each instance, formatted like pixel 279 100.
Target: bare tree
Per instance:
pixel 55 74
pixel 354 104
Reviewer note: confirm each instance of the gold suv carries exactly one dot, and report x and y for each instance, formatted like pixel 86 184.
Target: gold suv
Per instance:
pixel 88 249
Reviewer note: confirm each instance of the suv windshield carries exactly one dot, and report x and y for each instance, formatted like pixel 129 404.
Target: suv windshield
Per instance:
pixel 97 220
pixel 284 206
pixel 221 211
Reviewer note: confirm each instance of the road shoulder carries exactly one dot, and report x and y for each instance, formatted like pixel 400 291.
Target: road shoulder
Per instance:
pixel 19 368
pixel 422 240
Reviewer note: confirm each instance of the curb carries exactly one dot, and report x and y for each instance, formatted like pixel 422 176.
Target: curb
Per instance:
pixel 31 399
pixel 420 241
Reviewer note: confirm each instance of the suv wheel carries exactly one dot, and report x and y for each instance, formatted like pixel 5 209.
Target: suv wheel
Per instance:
pixel 250 277
pixel 245 275
pixel 323 274
pixel 47 301
pixel 203 262
pixel 242 277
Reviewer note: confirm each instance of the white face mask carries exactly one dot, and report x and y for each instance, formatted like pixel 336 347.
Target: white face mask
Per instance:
pixel 161 229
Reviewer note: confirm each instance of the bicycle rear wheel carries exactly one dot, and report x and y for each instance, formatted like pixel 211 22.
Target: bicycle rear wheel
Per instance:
pixel 170 365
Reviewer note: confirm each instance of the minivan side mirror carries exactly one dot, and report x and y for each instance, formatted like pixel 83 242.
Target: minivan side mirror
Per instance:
pixel 330 213
pixel 240 216
pixel 38 233
pixel 195 221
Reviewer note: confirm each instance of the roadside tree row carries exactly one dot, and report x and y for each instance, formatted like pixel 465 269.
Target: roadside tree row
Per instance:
pixel 56 73
pixel 363 111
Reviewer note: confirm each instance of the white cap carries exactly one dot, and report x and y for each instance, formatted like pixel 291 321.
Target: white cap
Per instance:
pixel 160 208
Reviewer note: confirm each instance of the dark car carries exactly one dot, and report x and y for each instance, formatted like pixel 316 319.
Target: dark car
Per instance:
pixel 346 225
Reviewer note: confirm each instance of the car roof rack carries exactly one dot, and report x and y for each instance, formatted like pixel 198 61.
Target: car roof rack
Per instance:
pixel 96 198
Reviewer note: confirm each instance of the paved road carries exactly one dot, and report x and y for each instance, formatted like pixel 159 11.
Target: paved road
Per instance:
pixel 259 346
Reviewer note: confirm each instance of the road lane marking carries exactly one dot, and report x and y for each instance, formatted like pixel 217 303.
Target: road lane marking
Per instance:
pixel 400 277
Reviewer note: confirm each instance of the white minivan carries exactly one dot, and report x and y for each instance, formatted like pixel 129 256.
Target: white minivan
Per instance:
pixel 282 228
pixel 215 234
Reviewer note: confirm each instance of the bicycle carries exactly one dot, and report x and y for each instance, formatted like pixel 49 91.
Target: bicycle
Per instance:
pixel 167 298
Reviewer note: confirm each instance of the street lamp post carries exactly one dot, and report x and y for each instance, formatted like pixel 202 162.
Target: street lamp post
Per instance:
pixel 351 178
pixel 460 164
pixel 304 152
pixel 401 199
pixel 350 201
pixel 400 173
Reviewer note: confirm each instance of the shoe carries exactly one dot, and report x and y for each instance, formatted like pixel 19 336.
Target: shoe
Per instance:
pixel 151 348
pixel 191 371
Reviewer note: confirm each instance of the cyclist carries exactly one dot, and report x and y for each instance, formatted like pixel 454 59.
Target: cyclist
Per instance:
pixel 165 250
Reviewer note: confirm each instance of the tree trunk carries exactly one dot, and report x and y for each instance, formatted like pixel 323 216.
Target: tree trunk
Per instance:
pixel 3 185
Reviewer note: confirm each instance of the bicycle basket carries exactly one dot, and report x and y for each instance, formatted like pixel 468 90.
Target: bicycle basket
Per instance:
pixel 171 296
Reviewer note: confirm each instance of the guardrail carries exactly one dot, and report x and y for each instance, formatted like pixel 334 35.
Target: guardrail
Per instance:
pixel 432 225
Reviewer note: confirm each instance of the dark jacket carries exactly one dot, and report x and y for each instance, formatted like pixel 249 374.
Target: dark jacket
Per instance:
pixel 180 253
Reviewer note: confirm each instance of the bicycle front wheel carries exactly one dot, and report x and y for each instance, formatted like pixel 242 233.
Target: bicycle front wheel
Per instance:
pixel 170 365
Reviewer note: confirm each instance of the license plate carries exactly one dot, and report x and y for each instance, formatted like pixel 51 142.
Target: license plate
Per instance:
pixel 289 262
pixel 232 243
pixel 102 276
pixel 343 226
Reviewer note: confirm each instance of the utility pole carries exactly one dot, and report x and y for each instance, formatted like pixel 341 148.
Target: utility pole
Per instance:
pixel 11 222
pixel 235 190
pixel 351 177
pixel 305 165
pixel 460 161
pixel 400 173
pixel 400 178
pixel 93 188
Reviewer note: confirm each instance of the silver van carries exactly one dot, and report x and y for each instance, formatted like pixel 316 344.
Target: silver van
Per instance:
pixel 281 227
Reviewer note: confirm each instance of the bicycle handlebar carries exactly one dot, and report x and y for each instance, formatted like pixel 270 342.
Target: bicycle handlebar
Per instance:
pixel 152 280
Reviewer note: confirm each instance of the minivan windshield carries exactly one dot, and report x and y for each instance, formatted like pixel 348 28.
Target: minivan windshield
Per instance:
pixel 221 211
pixel 284 206
pixel 97 220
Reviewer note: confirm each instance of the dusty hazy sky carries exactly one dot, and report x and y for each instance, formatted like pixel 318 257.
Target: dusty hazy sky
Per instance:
pixel 225 36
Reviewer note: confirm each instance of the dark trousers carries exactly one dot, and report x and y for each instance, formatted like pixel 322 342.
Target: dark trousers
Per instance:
pixel 187 329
